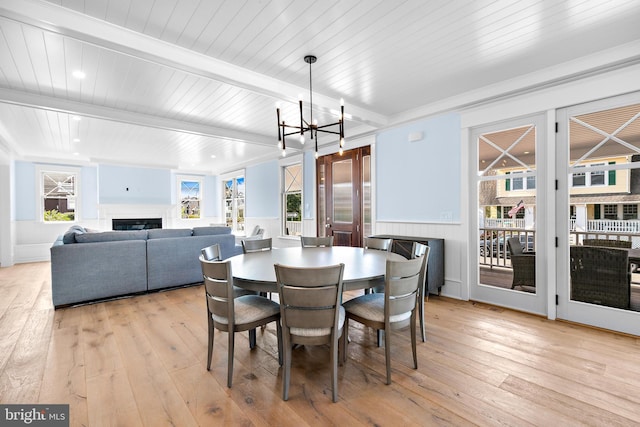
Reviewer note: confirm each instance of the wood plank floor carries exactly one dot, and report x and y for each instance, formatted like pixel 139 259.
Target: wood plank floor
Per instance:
pixel 141 361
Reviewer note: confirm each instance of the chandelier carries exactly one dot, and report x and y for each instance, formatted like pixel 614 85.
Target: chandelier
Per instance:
pixel 310 126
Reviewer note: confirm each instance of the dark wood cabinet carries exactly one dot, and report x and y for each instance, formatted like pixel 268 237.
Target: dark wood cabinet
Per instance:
pixel 435 266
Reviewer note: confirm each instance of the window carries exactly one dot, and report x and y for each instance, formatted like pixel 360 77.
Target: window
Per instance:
pixel 190 197
pixel 517 183
pixel 597 178
pixel 629 211
pixel 58 191
pixel 292 200
pixel 579 178
pixel 233 189
pixel 611 211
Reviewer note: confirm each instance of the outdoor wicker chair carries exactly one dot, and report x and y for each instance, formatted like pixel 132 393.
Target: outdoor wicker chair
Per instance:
pixel 523 264
pixel 608 243
pixel 600 275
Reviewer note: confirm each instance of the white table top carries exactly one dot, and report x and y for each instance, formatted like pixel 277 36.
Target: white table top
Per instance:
pixel 362 268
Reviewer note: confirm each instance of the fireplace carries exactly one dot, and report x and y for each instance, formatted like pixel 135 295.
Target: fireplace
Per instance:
pixel 136 223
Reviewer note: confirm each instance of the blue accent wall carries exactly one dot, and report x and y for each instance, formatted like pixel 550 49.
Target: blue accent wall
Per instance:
pixel 123 185
pixel 89 192
pixel 212 196
pixel 25 191
pixel 419 181
pixel 263 190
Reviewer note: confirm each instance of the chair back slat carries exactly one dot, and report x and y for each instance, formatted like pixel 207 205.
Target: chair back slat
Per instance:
pixel 256 245
pixel 212 253
pixel 218 285
pixel 315 242
pixel 514 245
pixel 378 243
pixel 401 286
pixel 309 297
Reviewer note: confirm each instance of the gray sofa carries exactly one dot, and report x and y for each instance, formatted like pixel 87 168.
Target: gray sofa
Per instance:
pixel 90 266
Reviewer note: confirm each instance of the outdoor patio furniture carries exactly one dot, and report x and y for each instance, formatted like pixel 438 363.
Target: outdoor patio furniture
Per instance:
pixel 608 243
pixel 600 275
pixel 523 264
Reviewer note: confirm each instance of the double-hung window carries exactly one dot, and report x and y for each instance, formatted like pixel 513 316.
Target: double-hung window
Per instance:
pixel 58 194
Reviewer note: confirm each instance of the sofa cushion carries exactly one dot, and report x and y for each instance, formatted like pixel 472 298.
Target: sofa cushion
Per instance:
pixel 111 236
pixel 70 235
pixel 208 231
pixel 161 233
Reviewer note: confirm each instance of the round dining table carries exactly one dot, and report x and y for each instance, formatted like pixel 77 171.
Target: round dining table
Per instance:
pixel 363 268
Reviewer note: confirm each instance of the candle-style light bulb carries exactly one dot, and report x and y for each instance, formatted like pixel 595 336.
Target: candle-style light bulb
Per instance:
pixel 302 139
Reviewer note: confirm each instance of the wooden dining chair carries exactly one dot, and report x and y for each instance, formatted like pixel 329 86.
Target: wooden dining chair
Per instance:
pixel 391 310
pixel 231 315
pixel 421 250
pixel 379 244
pixel 316 242
pixel 256 245
pixel 311 314
pixel 212 253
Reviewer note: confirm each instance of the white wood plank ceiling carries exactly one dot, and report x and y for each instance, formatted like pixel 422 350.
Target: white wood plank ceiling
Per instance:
pixel 173 83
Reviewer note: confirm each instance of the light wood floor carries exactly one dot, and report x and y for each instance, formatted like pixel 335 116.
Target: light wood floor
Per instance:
pixel 141 361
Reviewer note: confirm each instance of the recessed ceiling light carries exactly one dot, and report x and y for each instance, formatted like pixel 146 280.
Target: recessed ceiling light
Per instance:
pixel 79 74
pixel 76 139
pixel 76 154
pixel 213 156
pixel 526 152
pixel 76 118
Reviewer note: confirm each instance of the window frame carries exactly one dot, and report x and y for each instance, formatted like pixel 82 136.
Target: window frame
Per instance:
pixel 75 170
pixel 190 178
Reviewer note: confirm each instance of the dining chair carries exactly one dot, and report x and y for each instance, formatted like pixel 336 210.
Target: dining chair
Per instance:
pixel 231 315
pixel 212 253
pixel 311 313
pixel 256 245
pixel 421 250
pixel 316 242
pixel 378 243
pixel 391 310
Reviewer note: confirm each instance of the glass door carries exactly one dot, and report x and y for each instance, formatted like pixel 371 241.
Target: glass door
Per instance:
pixel 507 238
pixel 598 169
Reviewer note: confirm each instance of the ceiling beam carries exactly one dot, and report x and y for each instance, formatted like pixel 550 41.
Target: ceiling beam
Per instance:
pixel 50 17
pixel 49 103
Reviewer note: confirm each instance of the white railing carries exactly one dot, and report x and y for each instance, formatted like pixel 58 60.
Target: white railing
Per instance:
pixel 294 228
pixel 504 223
pixel 613 226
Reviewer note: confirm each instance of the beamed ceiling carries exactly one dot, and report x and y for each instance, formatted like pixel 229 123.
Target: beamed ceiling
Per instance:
pixel 192 84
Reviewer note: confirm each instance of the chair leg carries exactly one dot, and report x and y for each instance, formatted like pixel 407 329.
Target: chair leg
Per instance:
pixel 252 338
pixel 345 340
pixel 413 341
pixel 287 368
pixel 210 346
pixel 423 332
pixel 387 352
pixel 279 332
pixel 230 358
pixel 380 333
pixel 334 367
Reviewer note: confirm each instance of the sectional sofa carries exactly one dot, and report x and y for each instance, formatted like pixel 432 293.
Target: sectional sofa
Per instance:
pixel 88 266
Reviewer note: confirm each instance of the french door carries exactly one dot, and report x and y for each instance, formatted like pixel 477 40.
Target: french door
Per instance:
pixel 508 204
pixel 598 172
pixel 344 196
